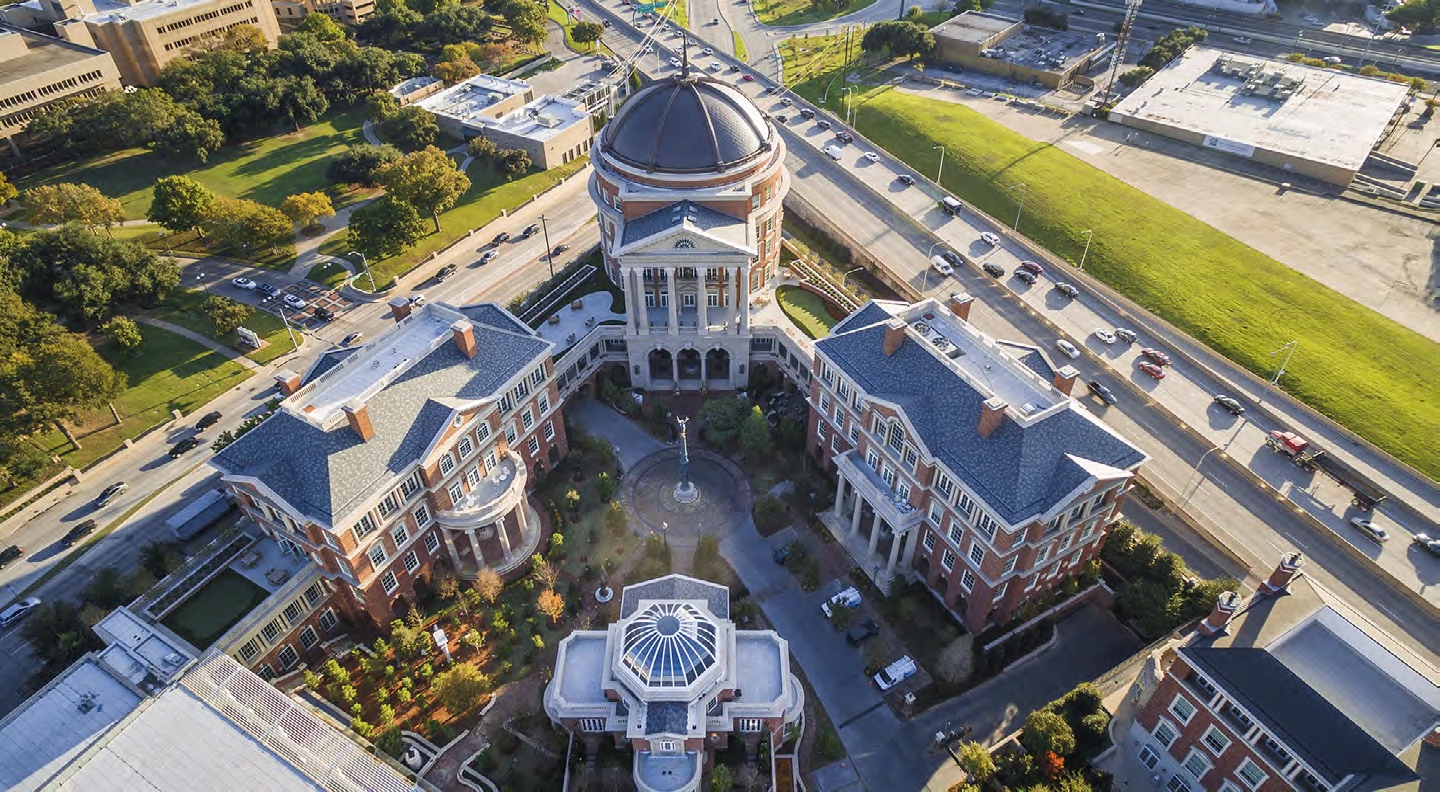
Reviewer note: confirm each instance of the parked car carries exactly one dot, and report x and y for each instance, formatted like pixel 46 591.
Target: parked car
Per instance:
pixel 1098 388
pixel 941 266
pixel 445 272
pixel 351 339
pixel 1067 348
pixel 1154 355
pixel 503 236
pixel 16 612
pixel 10 554
pixel 109 493
pixel 184 445
pixel 734 68
pixel 993 270
pixel 906 179
pixel 324 314
pixel 1105 336
pixel 895 673
pixel 74 535
pixel 784 554
pixel 862 632
pixel 848 598
pixel 1067 290
pixel 1431 546
pixel 872 156
pixel 265 288
pixel 1230 403
pixel 950 256
pixel 675 62
pixel 489 256
pixel 1128 336
pixel 786 101
pixel 530 230
pixel 243 283
pixel 1368 527
pixel 1026 276
pixel 782 119
pixel 805 111
pixel 1032 267
pixel 823 124
pixel 1152 369
pixel 294 302
pixel 1242 39
pixel 989 238
pixel 417 300
pixel 209 420
pixel 707 50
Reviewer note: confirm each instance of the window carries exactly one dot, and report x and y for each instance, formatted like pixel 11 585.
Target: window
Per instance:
pixel 411 485
pixel 483 431
pixel 1216 740
pixel 1251 774
pixel 910 457
pixel 490 461
pixel 533 445
pixel 835 444
pixel 825 403
pixel 388 505
pixel 412 562
pixel 389 583
pixel 377 554
pixel 665 745
pixel 510 433
pixel 1196 764
pixel 308 638
pixel 1178 783
pixel 421 515
pixel 872 459
pixel 1149 758
pixel 265 672
pixel 902 490
pixel 929 540
pixel 293 611
pixel 592 724
pixel 457 493
pixel 465 448
pixel 897 437
pixel 945 486
pixel 977 553
pixel 968 580
pixel 854 433
pixel 364 528
pixel 1089 529
pixel 328 620
pixel 1009 565
pixel 400 535
pixel 447 464
pixel 1182 709
pixel 1164 733
pixel 550 430
pixel 537 376
pixel 1044 554
pixel 967 506
pixel 1054 524
pixel 432 543
pixel 528 418
pixel 750 724
pixel 987 525
pixel 936 515
pixel 249 650
pixel 472 476
pixel 288 657
pixel 270 632
pixel 947 560
pixel 1202 683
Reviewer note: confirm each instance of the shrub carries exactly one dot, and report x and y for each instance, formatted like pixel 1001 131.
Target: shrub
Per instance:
pixel 827 743
pixel 391 742
pixel 361 728
pixel 1047 732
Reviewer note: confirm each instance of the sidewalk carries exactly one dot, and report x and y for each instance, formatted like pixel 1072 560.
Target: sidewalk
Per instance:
pixel 204 341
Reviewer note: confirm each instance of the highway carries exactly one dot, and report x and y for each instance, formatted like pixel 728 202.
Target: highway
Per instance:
pixel 899 226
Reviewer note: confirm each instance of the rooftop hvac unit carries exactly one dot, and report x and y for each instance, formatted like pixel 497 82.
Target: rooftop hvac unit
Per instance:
pixel 87 702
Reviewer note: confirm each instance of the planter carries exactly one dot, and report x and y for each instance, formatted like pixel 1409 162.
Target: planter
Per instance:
pixel 604 594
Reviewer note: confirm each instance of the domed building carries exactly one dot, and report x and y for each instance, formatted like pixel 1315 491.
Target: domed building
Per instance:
pixel 689 183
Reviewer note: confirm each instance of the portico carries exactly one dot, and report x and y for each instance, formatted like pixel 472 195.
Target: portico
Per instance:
pixel 493 513
pixel 875 525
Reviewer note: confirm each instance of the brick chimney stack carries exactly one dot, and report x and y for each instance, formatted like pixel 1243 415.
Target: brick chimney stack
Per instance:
pixel 464 338
pixel 359 420
pixel 1288 567
pixel 1225 606
pixel 894 335
pixel 992 412
pixel 400 308
pixel 959 304
pixel 1065 377
pixel 287 381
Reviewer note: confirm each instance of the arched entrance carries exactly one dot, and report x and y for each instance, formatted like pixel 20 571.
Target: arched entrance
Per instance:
pixel 661 365
pixel 717 365
pixel 689 364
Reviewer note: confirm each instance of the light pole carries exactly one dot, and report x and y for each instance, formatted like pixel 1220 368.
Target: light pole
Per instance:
pixel 847 274
pixel 364 264
pixel 204 284
pixel 1189 492
pixel 940 169
pixel 1089 236
pixel 549 251
pixel 285 320
pixel 1280 371
pixel 1022 188
pixel 850 106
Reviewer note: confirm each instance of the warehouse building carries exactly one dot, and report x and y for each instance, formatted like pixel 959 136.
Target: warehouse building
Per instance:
pixel 1010 48
pixel 553 130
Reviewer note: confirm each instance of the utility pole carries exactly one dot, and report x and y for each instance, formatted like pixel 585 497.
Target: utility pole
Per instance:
pixel 549 251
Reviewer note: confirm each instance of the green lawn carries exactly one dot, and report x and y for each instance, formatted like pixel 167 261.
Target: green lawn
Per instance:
pixel 800 12
pixel 215 608
pixel 168 372
pixel 330 273
pixel 806 310
pixel 740 52
pixel 192 243
pixel 1369 373
pixel 489 193
pixel 182 307
pixel 265 170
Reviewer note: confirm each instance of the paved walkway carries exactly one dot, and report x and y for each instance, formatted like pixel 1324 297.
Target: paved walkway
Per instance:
pixel 204 341
pixel 631 443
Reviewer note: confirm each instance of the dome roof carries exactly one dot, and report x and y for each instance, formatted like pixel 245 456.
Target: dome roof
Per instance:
pixel 669 645
pixel 687 125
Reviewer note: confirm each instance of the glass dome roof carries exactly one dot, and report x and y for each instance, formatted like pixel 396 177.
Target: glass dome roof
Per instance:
pixel 669 645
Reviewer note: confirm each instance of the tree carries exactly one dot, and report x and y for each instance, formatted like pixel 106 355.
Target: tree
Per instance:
pixel 490 56
pixel 706 562
pixel 907 38
pixel 360 164
pixel 57 635
pixel 770 514
pixel 527 21
pixel 225 314
pixel 411 128
pixel 455 71
pixel 605 486
pixel 957 660
pixel 106 589
pixel 410 642
pixel 720 779
pixel 488 584
pixel 7 190
pixel 544 572
pixel 161 557
pixel 247 226
pixel 513 162
pixel 586 32
pixel 72 203
pixel 473 639
pixel 975 761
pixel 123 332
pixel 748 777
pixel 460 688
pixel 20 460
pixel 615 520
pixel 1421 16
pixel 483 148
pixel 1136 76
pixel 722 418
pixel 180 204
pixel 428 180
pixel 550 604
pixel 1047 732
pixel 385 227
pixel 305 208
pixel 190 136
pixel 755 440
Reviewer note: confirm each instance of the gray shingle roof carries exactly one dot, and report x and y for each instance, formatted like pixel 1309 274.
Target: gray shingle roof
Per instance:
pixel 326 474
pixel 868 314
pixel 1032 358
pixel 676 587
pixel 328 359
pixel 693 215
pixel 1020 472
pixel 1296 714
pixel 687 125
pixel 492 315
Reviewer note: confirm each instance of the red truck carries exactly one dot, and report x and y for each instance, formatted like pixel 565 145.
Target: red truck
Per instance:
pixel 1307 456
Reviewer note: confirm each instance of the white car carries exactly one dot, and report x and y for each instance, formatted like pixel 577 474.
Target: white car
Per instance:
pixel 1105 336
pixel 714 67
pixel 675 62
pixel 941 266
pixel 16 612
pixel 833 152
pixel 1068 348
pixel 707 51
pixel 895 673
pixel 1370 529
pixel 849 598
pixel 872 156
pixel 294 302
pixel 990 239
pixel 650 48
pixel 1242 40
pixel 243 283
pixel 1332 60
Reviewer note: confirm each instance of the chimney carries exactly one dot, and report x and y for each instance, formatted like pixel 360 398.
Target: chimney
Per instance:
pixel 399 308
pixel 1225 606
pixel 1288 567
pixel 992 412
pixel 959 304
pixel 894 335
pixel 1065 377
pixel 288 381
pixel 359 420
pixel 464 337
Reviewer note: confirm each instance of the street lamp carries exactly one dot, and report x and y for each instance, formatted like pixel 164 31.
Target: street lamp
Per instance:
pixel 847 274
pixel 850 106
pixel 365 265
pixel 1292 346
pixel 204 284
pixel 940 169
pixel 549 251
pixel 1022 188
pixel 1089 236
pixel 285 320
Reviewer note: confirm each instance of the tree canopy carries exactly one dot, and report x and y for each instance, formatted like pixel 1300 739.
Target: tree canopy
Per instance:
pixel 428 180
pixel 899 38
pixel 72 203
pixel 180 204
pixel 90 276
pixel 384 227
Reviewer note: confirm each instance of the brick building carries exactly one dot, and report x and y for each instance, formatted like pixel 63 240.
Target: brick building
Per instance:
pixel 962 461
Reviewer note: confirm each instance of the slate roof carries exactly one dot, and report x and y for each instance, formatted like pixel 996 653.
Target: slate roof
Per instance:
pixel 1020 472
pixel 676 587
pixel 328 359
pixel 1296 714
pixel 326 474
pixel 685 125
pixel 666 717
pixel 1031 357
pixel 688 213
pixel 868 314
pixel 492 315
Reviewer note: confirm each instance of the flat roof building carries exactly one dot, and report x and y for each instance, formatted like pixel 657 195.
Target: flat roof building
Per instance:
pixel 289 13
pixel 1314 122
pixel 552 130
pixel 1010 48
pixel 38 70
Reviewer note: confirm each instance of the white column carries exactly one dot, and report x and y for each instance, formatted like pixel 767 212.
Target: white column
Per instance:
pixel 875 532
pixel 704 364
pixel 855 515
pixel 635 300
pixel 745 303
pixel 735 300
pixel 675 362
pixel 475 547
pixel 524 515
pixel 911 539
pixel 894 554
pixel 702 301
pixel 674 300
pixel 450 545
pixel 504 537
pixel 642 310
pixel 839 495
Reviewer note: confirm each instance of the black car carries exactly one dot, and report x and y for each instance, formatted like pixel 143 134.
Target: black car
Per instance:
pixel 10 554
pixel 950 257
pixel 109 493
pixel 734 68
pixel 780 119
pixel 324 314
pixel 266 288
pixel 183 446
pixel 905 179
pixel 1106 395
pixel 844 137
pixel 445 272
pixel 1230 403
pixel 560 249
pixel 503 236
pixel 807 112
pixel 1025 275
pixel 209 420
pixel 530 230
pixel 79 532
pixel 1067 290
pixel 862 632
pixel 993 270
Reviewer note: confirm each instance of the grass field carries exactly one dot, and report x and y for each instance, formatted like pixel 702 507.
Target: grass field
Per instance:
pixel 215 608
pixel 167 373
pixel 330 274
pixel 194 244
pixel 740 52
pixel 265 170
pixel 806 310
pixel 1367 372
pixel 800 12
pixel 489 193
pixel 182 307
